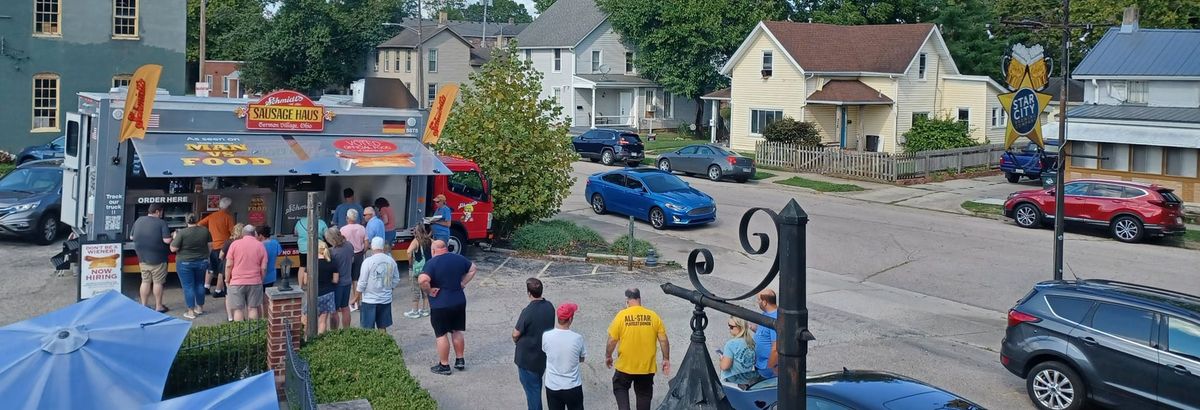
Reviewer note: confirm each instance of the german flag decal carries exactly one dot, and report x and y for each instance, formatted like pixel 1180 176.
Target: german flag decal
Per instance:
pixel 394 127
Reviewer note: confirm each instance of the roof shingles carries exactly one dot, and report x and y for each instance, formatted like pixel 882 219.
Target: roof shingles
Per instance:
pixel 564 24
pixel 884 48
pixel 848 92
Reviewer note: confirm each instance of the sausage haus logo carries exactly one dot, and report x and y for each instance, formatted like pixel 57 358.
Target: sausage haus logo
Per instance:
pixel 285 110
pixel 1027 73
pixel 220 151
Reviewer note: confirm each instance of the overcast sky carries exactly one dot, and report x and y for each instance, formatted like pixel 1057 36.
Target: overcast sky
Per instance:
pixel 529 6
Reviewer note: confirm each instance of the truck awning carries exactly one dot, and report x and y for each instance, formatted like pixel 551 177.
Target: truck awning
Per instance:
pixel 216 155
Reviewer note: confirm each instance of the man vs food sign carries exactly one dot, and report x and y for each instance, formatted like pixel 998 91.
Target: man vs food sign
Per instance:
pixel 285 111
pixel 221 151
pixel 1027 73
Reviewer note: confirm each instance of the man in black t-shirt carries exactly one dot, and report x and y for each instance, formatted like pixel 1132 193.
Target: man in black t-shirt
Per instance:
pixel 535 319
pixel 444 278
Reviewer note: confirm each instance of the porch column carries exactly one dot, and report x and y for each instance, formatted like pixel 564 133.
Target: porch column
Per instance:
pixel 712 122
pixel 593 107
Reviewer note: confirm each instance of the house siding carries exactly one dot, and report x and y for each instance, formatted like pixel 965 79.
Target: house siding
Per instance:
pixel 994 135
pixel 917 95
pixel 971 95
pixel 608 43
pixel 881 119
pixel 543 61
pixel 784 90
pixel 454 60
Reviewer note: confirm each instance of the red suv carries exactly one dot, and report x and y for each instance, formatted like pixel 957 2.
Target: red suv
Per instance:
pixel 1130 210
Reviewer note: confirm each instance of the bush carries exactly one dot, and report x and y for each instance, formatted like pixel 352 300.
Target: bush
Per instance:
pixel 937 133
pixel 214 355
pixel 788 130
pixel 7 158
pixel 351 364
pixel 726 112
pixel 621 246
pixel 557 237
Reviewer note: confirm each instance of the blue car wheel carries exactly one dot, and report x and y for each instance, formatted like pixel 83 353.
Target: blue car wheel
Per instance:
pixel 658 220
pixel 598 204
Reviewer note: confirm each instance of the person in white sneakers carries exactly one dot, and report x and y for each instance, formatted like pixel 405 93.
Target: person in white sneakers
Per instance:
pixel 419 251
pixel 565 351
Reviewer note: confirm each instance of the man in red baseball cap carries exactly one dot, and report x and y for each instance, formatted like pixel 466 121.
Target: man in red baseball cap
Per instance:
pixel 565 350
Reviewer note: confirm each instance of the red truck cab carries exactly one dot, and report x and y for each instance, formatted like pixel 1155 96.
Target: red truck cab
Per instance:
pixel 468 195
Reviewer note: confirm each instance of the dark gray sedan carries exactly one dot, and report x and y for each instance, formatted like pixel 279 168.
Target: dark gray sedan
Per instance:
pixel 713 161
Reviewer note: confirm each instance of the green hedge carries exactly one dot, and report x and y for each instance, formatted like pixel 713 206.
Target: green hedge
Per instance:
pixel 621 246
pixel 351 364
pixel 557 237
pixel 214 355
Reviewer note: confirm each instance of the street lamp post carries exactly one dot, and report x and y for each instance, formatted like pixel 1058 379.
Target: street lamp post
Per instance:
pixel 203 32
pixel 1061 161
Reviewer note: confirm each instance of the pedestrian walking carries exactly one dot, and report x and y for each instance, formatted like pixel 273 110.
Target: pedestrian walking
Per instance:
pixel 302 241
pixel 151 236
pixel 348 203
pixel 565 351
pixel 441 226
pixel 384 209
pixel 356 236
pixel 636 333
pixel 263 234
pixel 764 336
pixel 537 318
pixel 342 255
pixel 192 247
pixel 737 356
pixel 246 265
pixel 223 257
pixel 327 277
pixel 444 278
pixel 419 252
pixel 220 226
pixel 379 276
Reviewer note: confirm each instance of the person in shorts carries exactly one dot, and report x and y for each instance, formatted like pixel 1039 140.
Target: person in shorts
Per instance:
pixel 419 252
pixel 246 266
pixel 327 276
pixel 221 226
pixel 444 277
pixel 379 276
pixel 151 238
pixel 639 333
pixel 342 256
pixel 356 236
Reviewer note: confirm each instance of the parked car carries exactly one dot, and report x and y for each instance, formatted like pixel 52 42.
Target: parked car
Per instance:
pixel 854 389
pixel 1029 162
pixel 609 146
pixel 30 199
pixel 1122 345
pixel 650 195
pixel 712 160
pixel 49 150
pixel 1131 211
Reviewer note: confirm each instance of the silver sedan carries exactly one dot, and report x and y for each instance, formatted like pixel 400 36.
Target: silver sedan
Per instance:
pixel 713 161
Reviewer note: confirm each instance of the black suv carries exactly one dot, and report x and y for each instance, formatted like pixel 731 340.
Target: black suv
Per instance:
pixel 1118 344
pixel 609 146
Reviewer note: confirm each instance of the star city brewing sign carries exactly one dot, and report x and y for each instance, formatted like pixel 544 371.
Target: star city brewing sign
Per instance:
pixel 285 111
pixel 1026 72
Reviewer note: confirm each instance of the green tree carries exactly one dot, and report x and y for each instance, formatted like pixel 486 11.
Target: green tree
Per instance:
pixel 788 130
pixel 542 5
pixel 517 139
pixel 680 44
pixel 498 11
pixel 453 8
pixel 233 26
pixel 937 133
pixel 962 23
pixel 849 12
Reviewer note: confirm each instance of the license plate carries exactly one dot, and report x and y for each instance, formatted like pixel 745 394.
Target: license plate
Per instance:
pixel 1018 171
pixel 637 154
pixel 1179 220
pixel 748 169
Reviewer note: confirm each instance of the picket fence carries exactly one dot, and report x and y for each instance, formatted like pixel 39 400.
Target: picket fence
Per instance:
pixel 876 166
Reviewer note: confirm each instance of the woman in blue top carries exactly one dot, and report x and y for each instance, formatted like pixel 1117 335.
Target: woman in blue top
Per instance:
pixel 737 358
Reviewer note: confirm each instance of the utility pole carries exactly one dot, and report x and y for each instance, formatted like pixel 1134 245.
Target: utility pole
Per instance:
pixel 1065 67
pixel 422 93
pixel 483 35
pixel 203 33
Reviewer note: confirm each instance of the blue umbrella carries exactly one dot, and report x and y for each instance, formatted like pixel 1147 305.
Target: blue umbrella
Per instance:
pixel 252 393
pixel 105 352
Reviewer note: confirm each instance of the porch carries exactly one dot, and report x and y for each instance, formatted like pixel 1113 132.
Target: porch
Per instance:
pixel 610 100
pixel 851 115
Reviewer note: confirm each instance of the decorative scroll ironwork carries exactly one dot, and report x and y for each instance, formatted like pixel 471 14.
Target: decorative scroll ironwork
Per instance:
pixel 695 268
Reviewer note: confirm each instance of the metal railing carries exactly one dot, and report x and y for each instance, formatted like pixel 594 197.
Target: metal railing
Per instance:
pixel 297 384
pixel 216 355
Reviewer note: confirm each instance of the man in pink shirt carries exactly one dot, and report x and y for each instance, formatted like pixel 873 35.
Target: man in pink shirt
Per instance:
pixel 356 236
pixel 245 267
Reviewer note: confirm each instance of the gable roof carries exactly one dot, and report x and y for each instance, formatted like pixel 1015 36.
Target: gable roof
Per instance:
pixel 473 29
pixel 1144 52
pixel 407 38
pixel 830 48
pixel 563 25
pixel 840 92
pixel 722 94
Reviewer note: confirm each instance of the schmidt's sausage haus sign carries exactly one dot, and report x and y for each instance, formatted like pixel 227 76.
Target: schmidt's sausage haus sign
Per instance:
pixel 285 111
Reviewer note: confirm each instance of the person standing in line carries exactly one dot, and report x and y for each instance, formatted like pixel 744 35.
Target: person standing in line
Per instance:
pixel 535 319
pixel 419 252
pixel 192 247
pixel 565 351
pixel 375 226
pixel 263 234
pixel 342 256
pixel 441 227
pixel 384 209
pixel 348 203
pixel 764 336
pixel 246 266
pixel 737 356
pixel 356 236
pixel 639 332
pixel 302 241
pixel 224 259
pixel 379 276
pixel 220 226
pixel 444 277
pixel 327 277
pixel 151 236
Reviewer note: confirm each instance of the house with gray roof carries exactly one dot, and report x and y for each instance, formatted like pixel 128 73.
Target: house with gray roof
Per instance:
pixel 590 72
pixel 1141 109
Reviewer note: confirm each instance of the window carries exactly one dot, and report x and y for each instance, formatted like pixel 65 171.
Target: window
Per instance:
pixel 121 80
pixel 1147 159
pixel 596 61
pixel 919 116
pixel 964 116
pixel 46 18
pixel 557 60
pixel 922 62
pixel 999 117
pixel 468 184
pixel 616 179
pixel 1115 157
pixel 432 60
pixel 208 79
pixel 1129 192
pixel 1137 92
pixel 528 55
pixel 408 61
pixel 668 107
pixel 768 63
pixel 1183 338
pixel 396 60
pixel 1077 189
pixel 704 151
pixel 125 18
pixel 378 56
pixel 691 150
pixel 45 102
pixel 1124 322
pixel 225 85
pixel 1106 191
pixel 387 60
pixel 431 94
pixel 1084 148
pixel 651 100
pixel 759 119
pixel 1181 162
pixel 628 61
pixel 556 93
pixel 633 184
pixel 1071 309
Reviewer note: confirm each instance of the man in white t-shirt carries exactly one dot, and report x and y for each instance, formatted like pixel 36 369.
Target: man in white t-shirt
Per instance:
pixel 565 350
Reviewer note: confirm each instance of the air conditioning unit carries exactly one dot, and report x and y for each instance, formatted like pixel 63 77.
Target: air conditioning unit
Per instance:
pixel 766 73
pixel 649 107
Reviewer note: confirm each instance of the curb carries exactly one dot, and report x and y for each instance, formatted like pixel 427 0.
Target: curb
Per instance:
pixel 501 250
pixel 566 258
pixel 605 256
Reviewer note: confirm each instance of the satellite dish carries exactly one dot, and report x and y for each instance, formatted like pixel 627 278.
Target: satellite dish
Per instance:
pixel 604 70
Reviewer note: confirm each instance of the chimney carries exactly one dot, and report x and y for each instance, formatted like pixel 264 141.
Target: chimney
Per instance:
pixel 1130 23
pixel 442 18
pixel 511 21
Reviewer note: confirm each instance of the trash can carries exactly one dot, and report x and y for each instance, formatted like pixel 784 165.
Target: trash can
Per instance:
pixel 1048 177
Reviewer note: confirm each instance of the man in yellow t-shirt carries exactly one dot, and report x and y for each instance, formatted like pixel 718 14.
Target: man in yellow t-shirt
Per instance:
pixel 640 333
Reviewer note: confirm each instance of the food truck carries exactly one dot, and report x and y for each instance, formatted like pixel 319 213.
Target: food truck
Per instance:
pixel 266 155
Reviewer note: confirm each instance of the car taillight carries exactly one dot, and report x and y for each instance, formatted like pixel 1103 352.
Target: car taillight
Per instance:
pixel 1003 160
pixel 732 160
pixel 1016 317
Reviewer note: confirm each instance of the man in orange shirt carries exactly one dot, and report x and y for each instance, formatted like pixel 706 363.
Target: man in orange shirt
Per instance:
pixel 220 226
pixel 639 332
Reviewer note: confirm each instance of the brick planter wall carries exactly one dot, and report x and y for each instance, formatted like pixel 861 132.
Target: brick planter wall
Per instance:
pixel 281 306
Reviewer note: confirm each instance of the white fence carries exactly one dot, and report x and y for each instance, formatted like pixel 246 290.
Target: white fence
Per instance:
pixel 874 165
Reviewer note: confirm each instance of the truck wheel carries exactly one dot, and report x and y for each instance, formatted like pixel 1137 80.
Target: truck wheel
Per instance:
pixel 1012 178
pixel 46 230
pixel 606 157
pixel 458 241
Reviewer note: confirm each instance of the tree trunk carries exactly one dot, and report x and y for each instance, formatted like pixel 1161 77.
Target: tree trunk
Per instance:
pixel 699 117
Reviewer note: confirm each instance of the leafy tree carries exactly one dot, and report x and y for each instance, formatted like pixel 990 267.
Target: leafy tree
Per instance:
pixel 937 133
pixel 542 5
pixel 498 11
pixel 453 8
pixel 849 12
pixel 790 131
pixel 515 137
pixel 681 43
pixel 960 22
pixel 233 25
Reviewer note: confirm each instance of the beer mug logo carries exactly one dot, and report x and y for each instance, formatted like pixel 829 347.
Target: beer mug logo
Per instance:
pixel 1027 63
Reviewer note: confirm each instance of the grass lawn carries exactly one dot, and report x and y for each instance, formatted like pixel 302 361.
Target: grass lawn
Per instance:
pixel 669 141
pixel 6 168
pixel 759 175
pixel 983 209
pixel 820 185
pixel 1192 236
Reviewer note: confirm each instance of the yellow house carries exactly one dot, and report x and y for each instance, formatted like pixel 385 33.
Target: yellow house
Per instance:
pixel 861 85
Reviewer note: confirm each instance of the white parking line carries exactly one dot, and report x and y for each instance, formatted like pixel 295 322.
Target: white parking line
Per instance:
pixel 539 275
pixel 501 264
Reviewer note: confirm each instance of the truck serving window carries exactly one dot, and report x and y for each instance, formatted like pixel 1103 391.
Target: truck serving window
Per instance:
pixel 468 184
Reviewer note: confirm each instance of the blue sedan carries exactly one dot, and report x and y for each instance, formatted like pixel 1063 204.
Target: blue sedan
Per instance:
pixel 853 390
pixel 650 195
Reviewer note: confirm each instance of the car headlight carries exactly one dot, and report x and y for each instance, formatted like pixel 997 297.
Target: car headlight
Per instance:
pixel 24 207
pixel 674 207
pixel 1012 195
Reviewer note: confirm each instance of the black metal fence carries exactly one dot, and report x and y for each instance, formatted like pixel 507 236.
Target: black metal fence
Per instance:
pixel 298 381
pixel 216 355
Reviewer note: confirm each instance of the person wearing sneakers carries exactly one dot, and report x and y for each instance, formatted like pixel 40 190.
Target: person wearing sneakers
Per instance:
pixel 192 246
pixel 444 277
pixel 565 351
pixel 639 332
pixel 379 275
pixel 535 319
pixel 419 252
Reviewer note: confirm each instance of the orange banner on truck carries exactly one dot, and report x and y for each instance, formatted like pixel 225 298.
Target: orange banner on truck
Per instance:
pixel 139 102
pixel 439 112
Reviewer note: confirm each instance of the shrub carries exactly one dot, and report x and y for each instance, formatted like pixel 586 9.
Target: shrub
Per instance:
pixel 214 355
pixel 351 364
pixel 557 237
pixel 7 158
pixel 788 130
pixel 621 246
pixel 937 133
pixel 726 112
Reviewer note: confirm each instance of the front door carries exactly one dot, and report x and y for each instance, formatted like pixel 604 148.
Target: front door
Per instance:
pixel 626 108
pixel 842 125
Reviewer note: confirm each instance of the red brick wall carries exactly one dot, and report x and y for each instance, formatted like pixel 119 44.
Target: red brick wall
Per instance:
pixel 219 70
pixel 282 307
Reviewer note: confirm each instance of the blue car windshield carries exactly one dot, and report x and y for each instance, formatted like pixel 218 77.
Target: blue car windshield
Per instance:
pixel 664 183
pixel 32 180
